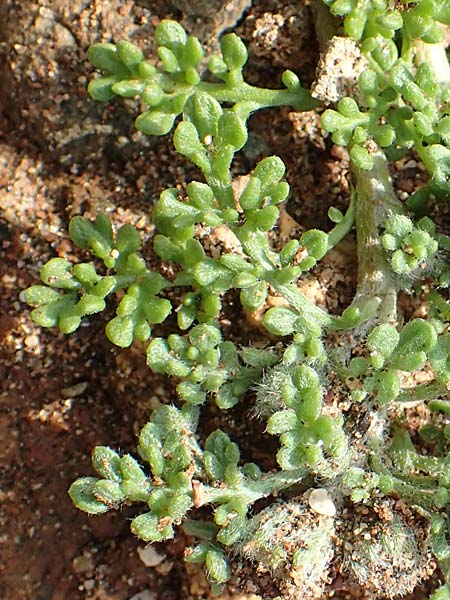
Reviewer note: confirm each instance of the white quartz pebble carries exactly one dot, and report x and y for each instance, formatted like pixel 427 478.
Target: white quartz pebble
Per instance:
pixel 321 502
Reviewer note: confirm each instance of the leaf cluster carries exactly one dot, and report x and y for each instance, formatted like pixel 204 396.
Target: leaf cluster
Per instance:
pixel 371 18
pixel 409 245
pixel 73 291
pixel 391 351
pixel 404 105
pixel 165 88
pixel 308 437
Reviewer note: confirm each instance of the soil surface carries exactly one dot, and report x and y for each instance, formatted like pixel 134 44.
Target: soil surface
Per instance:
pixel 62 154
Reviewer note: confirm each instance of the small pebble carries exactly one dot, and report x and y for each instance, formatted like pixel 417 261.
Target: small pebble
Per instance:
pixel 89 585
pixel 320 501
pixel 74 390
pixel 150 556
pixel 82 564
pixel 144 595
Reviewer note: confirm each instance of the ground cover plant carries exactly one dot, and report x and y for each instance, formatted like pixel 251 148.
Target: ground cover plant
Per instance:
pixel 355 456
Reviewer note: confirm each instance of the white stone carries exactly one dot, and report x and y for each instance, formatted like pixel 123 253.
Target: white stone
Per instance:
pixel 150 556
pixel 144 595
pixel 321 502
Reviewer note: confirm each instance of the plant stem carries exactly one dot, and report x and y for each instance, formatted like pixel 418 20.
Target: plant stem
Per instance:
pixel 299 301
pixel 422 497
pixel 422 392
pixel 375 201
pixel 340 230
pixel 436 57
pixel 251 491
pixel 254 97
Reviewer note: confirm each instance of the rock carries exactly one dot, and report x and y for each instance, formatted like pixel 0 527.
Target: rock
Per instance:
pixel 83 564
pixel 321 502
pixel 150 556
pixel 144 595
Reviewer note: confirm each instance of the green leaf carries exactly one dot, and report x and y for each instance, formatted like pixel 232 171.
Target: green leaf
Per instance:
pixel 217 566
pixel 417 336
pixel 128 239
pixel 210 270
pixel 291 81
pixel 129 54
pixel 306 380
pixel 227 397
pixel 204 112
pixel 220 453
pixel 150 448
pixel 234 51
pixel 96 236
pixel 38 295
pixel 251 194
pixel 157 309
pixel 50 315
pixel 280 321
pixel 155 122
pixel 399 226
pixel 440 406
pixel 254 297
pixel 109 492
pixel 200 195
pixel 170 34
pixel 361 157
pixel 130 469
pixel 388 387
pixel 244 280
pixel 290 458
pixel 169 59
pixel 147 527
pixel 127 88
pixel 57 272
pixel 191 393
pixel 167 249
pixel 105 57
pixel 81 494
pixel 269 171
pixel 152 95
pixel 440 357
pixel 282 421
pixel 193 53
pixel 107 463
pixel 266 218
pixel 198 553
pixel 233 531
pixel 178 506
pixel 383 340
pixel 100 89
pixel 90 304
pixel 232 130
pixel 316 242
pixel 162 360
pixel 205 337
pixel 120 331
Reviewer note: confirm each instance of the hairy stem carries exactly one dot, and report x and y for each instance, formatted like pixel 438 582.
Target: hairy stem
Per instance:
pixel 422 392
pixel 436 56
pixel 250 491
pixel 375 201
